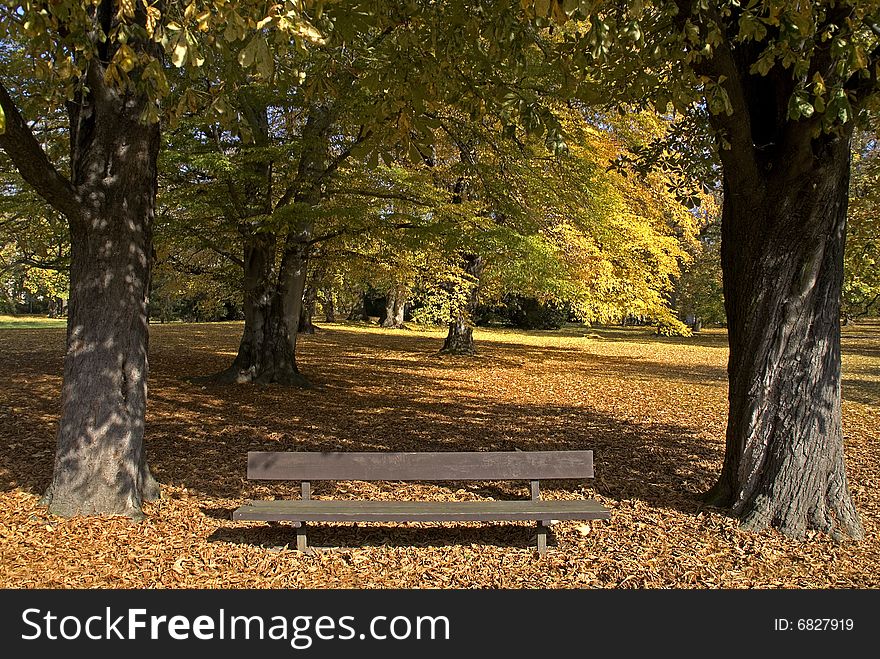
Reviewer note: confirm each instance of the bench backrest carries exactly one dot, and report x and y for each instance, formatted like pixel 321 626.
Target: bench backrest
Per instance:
pixel 438 466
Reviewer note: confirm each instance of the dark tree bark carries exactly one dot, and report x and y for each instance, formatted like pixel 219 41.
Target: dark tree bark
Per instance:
pixel 328 303
pixel 783 228
pixel 307 311
pixel 267 351
pixel 460 338
pixel 395 305
pixel 100 462
pixel 100 466
pixel 782 259
pixel 359 310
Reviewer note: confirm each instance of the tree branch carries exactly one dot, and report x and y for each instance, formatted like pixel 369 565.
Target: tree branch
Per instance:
pixel 57 265
pixel 867 306
pixel 331 235
pixel 293 188
pixel 738 124
pixel 342 157
pixel 32 163
pixel 380 195
pixel 359 232
pixel 211 245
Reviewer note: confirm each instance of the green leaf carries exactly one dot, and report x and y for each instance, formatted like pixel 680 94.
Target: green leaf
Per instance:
pixel 691 31
pixel 125 58
pixel 2 121
pixel 248 54
pixel 765 63
pixel 751 28
pixel 800 106
pixel 263 61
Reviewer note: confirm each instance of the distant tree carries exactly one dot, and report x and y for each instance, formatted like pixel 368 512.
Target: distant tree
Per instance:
pixel 861 284
pixel 34 254
pixel 699 291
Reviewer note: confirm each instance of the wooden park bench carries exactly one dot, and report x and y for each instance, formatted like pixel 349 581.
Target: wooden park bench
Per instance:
pixel 533 466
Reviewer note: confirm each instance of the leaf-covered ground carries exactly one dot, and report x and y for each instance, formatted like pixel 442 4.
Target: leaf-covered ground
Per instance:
pixel 652 410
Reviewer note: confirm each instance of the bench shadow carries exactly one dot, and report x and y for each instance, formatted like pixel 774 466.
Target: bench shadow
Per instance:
pixel 358 536
pixel 217 513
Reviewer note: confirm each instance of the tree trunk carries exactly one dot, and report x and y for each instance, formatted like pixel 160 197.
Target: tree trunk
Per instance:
pixel 273 299
pixel 395 305
pixel 307 311
pixel 359 310
pixel 100 463
pixel 329 305
pixel 782 261
pixel 109 203
pixel 267 351
pixel 460 338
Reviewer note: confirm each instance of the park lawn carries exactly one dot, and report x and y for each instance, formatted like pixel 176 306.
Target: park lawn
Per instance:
pixel 651 408
pixel 30 322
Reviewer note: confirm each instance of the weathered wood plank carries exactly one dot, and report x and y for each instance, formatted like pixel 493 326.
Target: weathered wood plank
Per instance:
pixel 419 511
pixel 426 466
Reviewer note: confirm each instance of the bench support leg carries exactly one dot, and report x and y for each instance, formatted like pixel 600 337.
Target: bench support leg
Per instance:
pixel 542 538
pixel 302 543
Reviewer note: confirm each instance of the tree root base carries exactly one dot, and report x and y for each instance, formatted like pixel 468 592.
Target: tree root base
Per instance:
pixel 457 352
pixel 237 376
pixel 840 524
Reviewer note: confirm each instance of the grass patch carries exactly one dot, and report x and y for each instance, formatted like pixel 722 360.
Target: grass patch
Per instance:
pixel 30 322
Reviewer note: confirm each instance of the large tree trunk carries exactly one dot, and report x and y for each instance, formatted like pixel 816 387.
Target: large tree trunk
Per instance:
pixel 267 351
pixel 100 464
pixel 109 203
pixel 460 338
pixel 782 260
pixel 395 305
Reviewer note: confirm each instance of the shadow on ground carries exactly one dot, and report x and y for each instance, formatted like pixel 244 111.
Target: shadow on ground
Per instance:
pixel 378 392
pixel 377 535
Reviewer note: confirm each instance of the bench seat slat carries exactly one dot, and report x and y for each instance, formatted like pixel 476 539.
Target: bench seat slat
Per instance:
pixel 422 466
pixel 419 511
